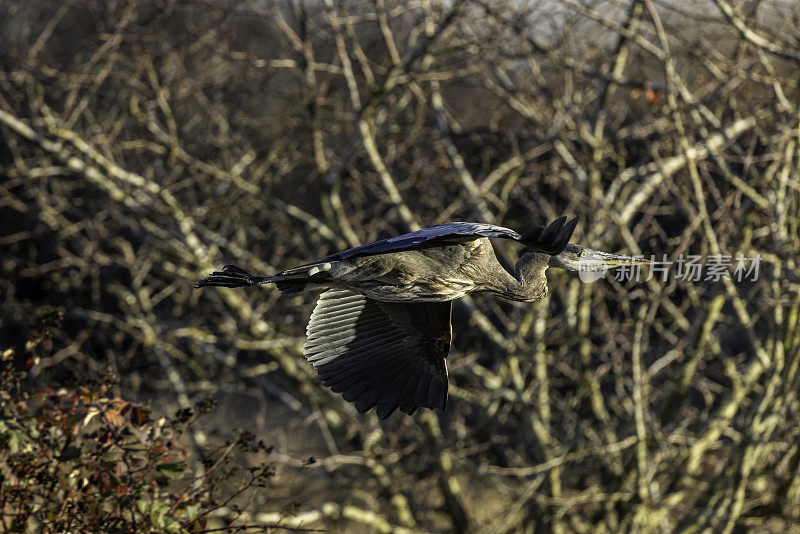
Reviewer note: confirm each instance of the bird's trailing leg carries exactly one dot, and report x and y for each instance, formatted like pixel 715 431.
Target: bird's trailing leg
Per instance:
pixel 233 276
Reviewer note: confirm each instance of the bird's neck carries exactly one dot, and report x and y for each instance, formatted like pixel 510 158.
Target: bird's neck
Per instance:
pixel 529 275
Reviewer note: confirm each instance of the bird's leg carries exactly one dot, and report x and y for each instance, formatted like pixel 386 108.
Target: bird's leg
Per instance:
pixel 233 276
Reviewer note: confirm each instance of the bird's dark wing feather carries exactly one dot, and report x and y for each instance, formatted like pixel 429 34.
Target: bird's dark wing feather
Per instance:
pixel 553 238
pixel 383 354
pixel 415 239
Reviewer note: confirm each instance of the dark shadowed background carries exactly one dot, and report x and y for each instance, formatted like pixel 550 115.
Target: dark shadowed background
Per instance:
pixel 145 143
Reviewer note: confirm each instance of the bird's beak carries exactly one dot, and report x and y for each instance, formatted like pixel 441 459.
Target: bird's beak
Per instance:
pixel 594 260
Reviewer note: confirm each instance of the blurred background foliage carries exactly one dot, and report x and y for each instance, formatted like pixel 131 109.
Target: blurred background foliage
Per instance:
pixel 144 143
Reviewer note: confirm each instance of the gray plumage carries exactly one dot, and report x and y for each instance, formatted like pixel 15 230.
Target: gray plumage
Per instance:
pixel 380 333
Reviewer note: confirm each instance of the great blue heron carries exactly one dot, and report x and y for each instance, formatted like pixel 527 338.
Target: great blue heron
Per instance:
pixel 380 333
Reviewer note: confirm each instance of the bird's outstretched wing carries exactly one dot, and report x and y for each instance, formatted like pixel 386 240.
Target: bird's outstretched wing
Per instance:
pixel 551 239
pixel 383 354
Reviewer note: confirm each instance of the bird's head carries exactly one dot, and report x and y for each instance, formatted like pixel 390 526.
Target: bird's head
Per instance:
pixel 578 258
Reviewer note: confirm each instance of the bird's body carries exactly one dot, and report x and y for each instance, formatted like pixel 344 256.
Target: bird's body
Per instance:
pixel 434 274
pixel 381 332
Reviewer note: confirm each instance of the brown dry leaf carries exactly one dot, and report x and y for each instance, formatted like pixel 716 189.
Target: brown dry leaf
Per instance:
pixel 114 417
pixel 121 405
pixel 139 416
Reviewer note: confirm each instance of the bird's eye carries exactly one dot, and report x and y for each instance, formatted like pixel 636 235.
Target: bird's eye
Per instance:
pixel 581 253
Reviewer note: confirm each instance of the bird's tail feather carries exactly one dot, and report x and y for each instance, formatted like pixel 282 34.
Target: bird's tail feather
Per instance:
pixel 234 276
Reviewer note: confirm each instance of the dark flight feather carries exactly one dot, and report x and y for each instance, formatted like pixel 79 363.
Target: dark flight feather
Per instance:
pixel 385 354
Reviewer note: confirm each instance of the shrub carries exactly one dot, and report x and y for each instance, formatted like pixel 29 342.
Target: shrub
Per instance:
pixel 84 460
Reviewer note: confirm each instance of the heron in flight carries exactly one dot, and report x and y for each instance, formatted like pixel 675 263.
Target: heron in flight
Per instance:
pixel 380 332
